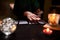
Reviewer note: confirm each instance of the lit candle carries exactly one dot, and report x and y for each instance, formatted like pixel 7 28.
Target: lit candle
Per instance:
pixel 47 31
pixel 53 19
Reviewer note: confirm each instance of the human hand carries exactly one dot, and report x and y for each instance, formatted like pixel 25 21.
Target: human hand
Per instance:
pixel 11 5
pixel 32 16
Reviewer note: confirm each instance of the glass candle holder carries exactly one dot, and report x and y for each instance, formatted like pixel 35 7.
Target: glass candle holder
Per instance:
pixel 53 19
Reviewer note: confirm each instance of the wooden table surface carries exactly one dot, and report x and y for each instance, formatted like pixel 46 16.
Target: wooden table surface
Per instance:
pixel 31 32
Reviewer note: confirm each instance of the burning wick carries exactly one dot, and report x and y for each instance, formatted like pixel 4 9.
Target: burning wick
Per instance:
pixel 47 31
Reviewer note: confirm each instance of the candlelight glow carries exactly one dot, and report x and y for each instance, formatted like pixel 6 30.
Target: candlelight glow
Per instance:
pixel 47 31
pixel 53 18
pixel 13 28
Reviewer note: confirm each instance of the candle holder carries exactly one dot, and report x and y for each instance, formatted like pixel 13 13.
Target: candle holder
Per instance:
pixel 47 31
pixel 53 19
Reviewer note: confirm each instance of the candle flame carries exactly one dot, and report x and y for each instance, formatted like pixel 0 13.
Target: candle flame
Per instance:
pixel 53 16
pixel 47 29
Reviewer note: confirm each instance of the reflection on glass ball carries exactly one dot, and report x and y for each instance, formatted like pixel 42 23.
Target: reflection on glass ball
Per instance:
pixel 8 26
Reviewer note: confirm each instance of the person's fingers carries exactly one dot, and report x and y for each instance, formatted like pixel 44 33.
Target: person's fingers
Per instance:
pixel 33 18
pixel 38 18
pixel 29 17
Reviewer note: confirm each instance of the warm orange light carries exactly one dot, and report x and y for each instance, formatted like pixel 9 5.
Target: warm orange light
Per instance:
pixel 47 31
pixel 53 16
pixel 13 28
pixel 53 19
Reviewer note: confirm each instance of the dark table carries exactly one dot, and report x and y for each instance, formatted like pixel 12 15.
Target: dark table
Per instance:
pixel 31 32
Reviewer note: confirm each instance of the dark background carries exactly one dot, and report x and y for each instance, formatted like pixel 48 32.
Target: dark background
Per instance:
pixel 44 5
pixel 6 11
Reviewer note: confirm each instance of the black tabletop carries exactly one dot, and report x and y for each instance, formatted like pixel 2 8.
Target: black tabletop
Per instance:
pixel 31 32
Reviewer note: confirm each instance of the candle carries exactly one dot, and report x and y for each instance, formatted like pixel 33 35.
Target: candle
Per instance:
pixel 47 31
pixel 53 19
